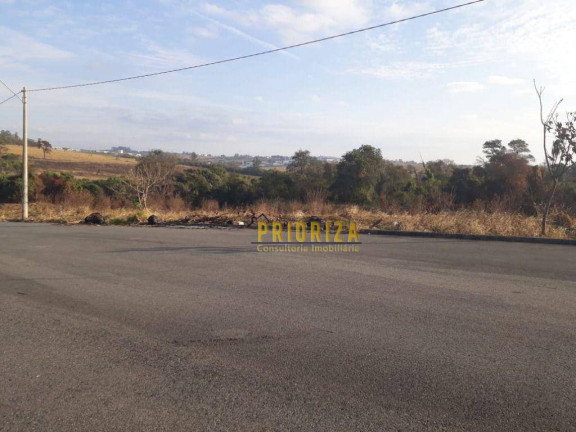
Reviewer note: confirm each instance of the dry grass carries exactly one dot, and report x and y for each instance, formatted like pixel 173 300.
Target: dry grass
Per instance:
pixel 463 221
pixel 81 165
pixel 71 156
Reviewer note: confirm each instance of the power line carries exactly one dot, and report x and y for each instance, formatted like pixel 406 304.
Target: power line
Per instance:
pixel 11 97
pixel 11 91
pixel 261 52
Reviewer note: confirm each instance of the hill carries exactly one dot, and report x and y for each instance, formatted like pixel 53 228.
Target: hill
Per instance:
pixel 82 165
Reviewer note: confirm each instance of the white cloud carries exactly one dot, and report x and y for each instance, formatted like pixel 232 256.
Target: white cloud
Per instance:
pixel 214 9
pixel 241 33
pixel 505 81
pixel 17 48
pixel 401 9
pixel 209 32
pixel 464 87
pixel 385 43
pixel 245 17
pixel 534 32
pixel 159 57
pixel 292 26
pixel 345 11
pixel 407 70
pixel 307 19
pixel 527 35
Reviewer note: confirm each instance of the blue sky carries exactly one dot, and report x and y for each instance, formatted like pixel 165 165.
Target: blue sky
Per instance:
pixel 439 86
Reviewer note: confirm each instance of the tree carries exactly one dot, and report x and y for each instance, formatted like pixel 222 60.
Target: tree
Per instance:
pixel 3 149
pixel 357 175
pixel 277 185
pixel 301 161
pixel 493 149
pixel 508 177
pixel 467 184
pixel 561 157
pixel 45 146
pixel 257 163
pixel 520 147
pixel 7 137
pixel 441 169
pixel 309 176
pixel 152 174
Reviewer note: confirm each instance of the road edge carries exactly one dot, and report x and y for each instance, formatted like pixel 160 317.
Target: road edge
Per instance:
pixel 430 234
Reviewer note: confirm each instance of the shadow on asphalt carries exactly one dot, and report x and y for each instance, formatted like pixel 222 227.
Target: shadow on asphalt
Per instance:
pixel 234 250
pixel 201 249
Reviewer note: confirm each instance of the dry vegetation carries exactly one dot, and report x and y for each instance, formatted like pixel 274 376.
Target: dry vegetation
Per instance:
pixel 175 212
pixel 71 156
pixel 81 165
pixel 64 200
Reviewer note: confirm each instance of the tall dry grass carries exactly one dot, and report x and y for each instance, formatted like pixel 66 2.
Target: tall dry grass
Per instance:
pixel 472 221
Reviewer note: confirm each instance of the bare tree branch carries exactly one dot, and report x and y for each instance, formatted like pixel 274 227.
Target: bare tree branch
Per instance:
pixel 563 149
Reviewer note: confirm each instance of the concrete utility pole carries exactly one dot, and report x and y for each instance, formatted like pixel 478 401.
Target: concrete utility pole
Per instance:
pixel 24 156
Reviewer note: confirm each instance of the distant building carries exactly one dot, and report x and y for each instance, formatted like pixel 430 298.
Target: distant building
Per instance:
pixel 121 150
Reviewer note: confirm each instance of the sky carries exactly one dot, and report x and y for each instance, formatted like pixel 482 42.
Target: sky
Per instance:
pixel 437 87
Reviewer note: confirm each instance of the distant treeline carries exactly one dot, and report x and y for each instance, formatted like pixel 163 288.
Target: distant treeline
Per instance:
pixel 506 179
pixel 9 138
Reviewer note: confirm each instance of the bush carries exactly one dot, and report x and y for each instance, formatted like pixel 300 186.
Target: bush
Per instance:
pixel 10 188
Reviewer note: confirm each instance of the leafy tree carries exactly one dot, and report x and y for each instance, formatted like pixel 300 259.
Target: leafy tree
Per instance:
pixel 277 185
pixel 393 185
pixel 197 185
pixel 358 174
pixel 508 176
pixel 309 175
pixel 45 146
pixel 520 147
pixel 301 161
pixel 236 190
pixel 441 169
pixel 7 137
pixel 467 184
pixel 493 149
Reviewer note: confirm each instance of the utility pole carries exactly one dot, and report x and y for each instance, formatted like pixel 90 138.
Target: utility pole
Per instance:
pixel 24 156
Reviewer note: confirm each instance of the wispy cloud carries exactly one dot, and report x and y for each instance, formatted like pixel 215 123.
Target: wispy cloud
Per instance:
pixel 302 21
pixel 241 33
pixel 17 48
pixel 407 70
pixel 505 81
pixel 513 29
pixel 464 87
pixel 402 9
pixel 209 32
pixel 159 57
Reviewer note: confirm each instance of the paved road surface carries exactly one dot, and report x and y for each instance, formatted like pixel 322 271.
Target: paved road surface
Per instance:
pixel 152 329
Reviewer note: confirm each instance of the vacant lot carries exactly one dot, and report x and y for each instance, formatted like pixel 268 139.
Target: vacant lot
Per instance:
pixel 83 165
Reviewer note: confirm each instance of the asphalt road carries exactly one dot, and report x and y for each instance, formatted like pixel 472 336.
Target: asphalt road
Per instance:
pixel 158 329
